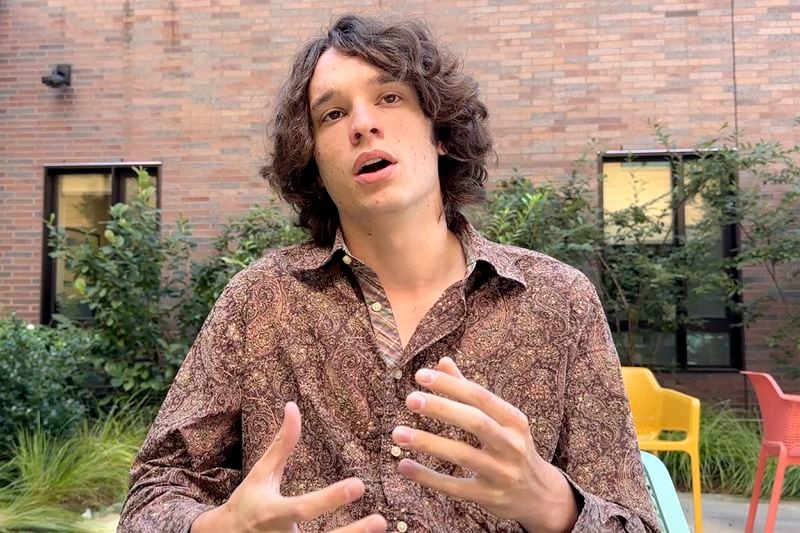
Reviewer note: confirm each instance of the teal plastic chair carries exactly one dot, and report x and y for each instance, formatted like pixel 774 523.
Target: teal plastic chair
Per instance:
pixel 664 495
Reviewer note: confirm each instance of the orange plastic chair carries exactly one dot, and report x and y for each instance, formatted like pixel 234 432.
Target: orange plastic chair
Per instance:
pixel 656 409
pixel 780 421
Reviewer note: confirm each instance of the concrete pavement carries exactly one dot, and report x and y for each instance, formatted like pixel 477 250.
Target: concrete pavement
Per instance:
pixel 727 514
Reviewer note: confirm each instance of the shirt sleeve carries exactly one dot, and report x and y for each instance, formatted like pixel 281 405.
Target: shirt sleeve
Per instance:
pixel 190 460
pixel 597 449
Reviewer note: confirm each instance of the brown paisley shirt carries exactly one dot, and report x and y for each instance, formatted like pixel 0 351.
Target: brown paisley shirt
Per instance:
pixel 313 325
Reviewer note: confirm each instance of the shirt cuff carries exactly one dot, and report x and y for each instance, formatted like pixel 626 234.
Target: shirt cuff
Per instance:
pixel 176 516
pixel 597 514
pixel 192 513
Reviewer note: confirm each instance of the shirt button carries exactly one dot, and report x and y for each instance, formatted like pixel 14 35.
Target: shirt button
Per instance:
pixel 396 451
pixel 347 259
pixel 376 306
pixel 402 527
pixel 397 374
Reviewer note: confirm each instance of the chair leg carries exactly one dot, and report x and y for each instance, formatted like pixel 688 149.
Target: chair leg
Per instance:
pixel 696 491
pixel 759 478
pixel 777 487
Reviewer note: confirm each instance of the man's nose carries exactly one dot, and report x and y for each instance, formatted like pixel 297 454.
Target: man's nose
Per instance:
pixel 364 123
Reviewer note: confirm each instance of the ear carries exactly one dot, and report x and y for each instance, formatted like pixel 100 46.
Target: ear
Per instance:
pixel 440 148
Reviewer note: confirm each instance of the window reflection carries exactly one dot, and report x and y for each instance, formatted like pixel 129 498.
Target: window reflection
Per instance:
pixel 83 202
pixel 707 349
pixel 633 183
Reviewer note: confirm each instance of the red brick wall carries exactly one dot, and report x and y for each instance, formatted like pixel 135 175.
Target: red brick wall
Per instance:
pixel 187 82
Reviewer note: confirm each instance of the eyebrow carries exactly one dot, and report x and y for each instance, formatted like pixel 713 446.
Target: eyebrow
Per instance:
pixel 330 94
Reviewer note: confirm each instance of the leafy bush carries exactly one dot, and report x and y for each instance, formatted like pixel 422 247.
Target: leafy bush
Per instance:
pixel 730 440
pixel 132 280
pixel 44 372
pixel 557 220
pixel 638 282
pixel 242 240
pixel 647 278
pixel 147 302
pixel 767 209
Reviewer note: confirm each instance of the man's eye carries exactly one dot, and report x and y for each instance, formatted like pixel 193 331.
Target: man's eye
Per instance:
pixel 391 98
pixel 332 115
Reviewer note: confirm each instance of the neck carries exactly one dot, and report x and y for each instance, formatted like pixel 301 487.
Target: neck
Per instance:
pixel 408 255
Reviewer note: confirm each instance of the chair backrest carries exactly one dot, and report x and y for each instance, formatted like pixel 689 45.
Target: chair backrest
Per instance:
pixel 780 414
pixel 665 498
pixel 644 395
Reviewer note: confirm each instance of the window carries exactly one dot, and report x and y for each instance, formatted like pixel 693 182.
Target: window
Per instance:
pixel 79 197
pixel 713 337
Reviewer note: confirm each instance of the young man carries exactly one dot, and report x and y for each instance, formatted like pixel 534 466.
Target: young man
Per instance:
pixel 446 383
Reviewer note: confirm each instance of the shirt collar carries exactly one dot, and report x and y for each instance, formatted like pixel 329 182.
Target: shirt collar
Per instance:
pixel 477 248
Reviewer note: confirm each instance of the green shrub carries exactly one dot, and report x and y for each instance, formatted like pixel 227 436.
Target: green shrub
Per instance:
pixel 730 440
pixel 147 301
pixel 27 512
pixel 242 240
pixel 49 481
pixel 132 281
pixel 649 279
pixel 639 283
pixel 557 220
pixel 44 372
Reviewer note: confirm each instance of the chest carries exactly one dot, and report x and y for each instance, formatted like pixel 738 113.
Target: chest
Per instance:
pixel 351 399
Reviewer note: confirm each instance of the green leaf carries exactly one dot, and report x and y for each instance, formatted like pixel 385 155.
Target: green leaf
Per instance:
pixel 80 285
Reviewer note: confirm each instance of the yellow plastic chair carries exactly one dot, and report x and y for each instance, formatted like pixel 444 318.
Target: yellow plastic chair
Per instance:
pixel 656 409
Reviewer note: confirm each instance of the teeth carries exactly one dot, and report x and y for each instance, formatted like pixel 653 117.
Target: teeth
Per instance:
pixel 372 162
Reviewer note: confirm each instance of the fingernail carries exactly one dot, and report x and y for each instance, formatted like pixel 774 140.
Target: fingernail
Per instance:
pixel 406 467
pixel 425 376
pixel 402 435
pixel 377 525
pixel 416 400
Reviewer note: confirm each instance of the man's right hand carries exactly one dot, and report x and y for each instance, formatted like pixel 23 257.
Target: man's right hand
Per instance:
pixel 257 505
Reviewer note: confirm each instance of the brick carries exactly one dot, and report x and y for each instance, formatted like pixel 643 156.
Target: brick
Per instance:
pixel 188 86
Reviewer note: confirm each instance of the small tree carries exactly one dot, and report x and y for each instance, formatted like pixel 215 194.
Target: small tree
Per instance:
pixel 646 276
pixel 766 207
pixel 243 240
pixel 132 283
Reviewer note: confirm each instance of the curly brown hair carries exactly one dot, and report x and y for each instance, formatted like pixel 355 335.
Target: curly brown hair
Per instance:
pixel 407 52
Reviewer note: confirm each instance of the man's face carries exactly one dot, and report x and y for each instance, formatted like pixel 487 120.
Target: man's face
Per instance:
pixel 373 145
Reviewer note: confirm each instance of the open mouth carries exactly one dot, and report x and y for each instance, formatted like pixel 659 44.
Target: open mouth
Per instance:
pixel 373 166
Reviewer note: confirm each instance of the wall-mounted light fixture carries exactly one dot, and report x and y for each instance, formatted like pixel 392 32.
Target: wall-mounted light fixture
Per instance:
pixel 61 76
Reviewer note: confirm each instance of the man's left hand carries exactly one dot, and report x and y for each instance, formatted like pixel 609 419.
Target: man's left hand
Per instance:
pixel 511 479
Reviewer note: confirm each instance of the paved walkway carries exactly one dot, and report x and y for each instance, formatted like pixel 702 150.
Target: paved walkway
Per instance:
pixel 728 514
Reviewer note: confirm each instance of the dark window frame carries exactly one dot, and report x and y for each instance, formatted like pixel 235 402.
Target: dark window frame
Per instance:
pixel 730 242
pixel 119 174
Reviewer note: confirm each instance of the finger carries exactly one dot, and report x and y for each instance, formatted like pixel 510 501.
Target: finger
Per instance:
pixel 466 417
pixel 456 452
pixel 272 463
pixel 314 504
pixel 453 486
pixel 470 393
pixel 373 523
pixel 448 366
